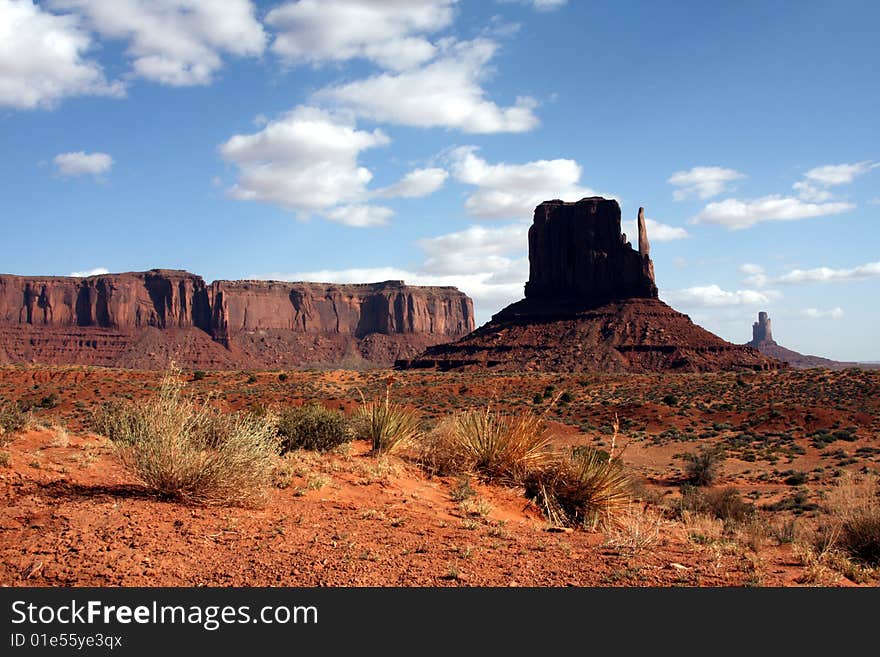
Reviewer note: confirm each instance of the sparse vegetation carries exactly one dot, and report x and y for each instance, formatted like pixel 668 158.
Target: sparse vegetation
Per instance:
pixel 583 489
pixel 387 425
pixel 312 427
pixel 703 468
pixel 189 451
pixel 12 418
pixel 853 522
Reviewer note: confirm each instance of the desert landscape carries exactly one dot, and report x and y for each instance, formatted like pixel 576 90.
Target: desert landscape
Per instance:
pixel 604 441
pixel 436 293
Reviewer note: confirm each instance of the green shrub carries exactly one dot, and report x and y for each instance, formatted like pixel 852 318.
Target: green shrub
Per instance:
pixel 12 418
pixel 583 489
pixel 726 503
pixel 198 375
pixel 704 467
pixel 312 427
pixel 670 400
pixel 190 452
pixel 282 377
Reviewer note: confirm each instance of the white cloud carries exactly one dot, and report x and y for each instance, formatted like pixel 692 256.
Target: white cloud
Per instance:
pixel 97 271
pixel 815 313
pixel 736 214
pixel 540 5
pixel 703 182
pixel 476 249
pixel 42 58
pixel 81 163
pixel 417 183
pixel 514 190
pixel 811 193
pixel 839 174
pixel 829 275
pixel 712 296
pixel 175 42
pixel 360 216
pixel 445 92
pixel 488 264
pixel 657 232
pixel 305 161
pixel 387 32
pixel 874 201
pixel 755 274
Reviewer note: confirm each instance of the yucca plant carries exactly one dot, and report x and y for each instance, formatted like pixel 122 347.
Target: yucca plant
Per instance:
pixel 505 447
pixel 389 426
pixel 585 489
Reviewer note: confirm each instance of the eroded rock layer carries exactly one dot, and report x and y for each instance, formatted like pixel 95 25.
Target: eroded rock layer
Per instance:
pixel 147 319
pixel 591 305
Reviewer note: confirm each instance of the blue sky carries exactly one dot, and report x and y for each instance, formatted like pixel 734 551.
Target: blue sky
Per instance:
pixel 357 140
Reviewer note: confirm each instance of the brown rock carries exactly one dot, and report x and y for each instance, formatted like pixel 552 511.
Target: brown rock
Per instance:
pixel 146 319
pixel 591 304
pixel 577 252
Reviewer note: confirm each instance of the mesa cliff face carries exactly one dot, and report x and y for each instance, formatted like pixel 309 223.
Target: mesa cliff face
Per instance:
pixel 762 340
pixel 591 304
pixel 145 319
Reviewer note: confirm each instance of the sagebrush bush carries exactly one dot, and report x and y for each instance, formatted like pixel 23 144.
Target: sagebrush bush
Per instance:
pixel 389 426
pixel 853 524
pixel 12 418
pixel 439 451
pixel 703 468
pixel 191 452
pixel 725 504
pixel 312 427
pixel 584 489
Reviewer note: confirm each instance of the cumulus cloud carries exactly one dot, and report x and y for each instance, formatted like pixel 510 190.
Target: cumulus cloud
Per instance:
pixel 816 313
pixel 703 182
pixel 657 231
pixel 97 271
pixel 360 216
pixel 81 163
pixel 305 161
pixel 738 214
pixel 809 192
pixel 389 33
pixel 488 264
pixel 513 190
pixel 417 183
pixel 713 296
pixel 755 274
pixel 839 174
pixel 444 92
pixel 175 42
pixel 42 58
pixel 829 275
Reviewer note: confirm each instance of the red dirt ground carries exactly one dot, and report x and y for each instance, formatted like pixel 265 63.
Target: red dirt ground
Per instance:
pixel 72 517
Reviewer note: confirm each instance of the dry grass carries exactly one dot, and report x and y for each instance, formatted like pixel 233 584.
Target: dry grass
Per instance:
pixel 388 426
pixel 190 452
pixel 586 489
pixel 637 529
pixel 853 523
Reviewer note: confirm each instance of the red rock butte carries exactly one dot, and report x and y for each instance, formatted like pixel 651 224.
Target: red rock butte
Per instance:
pixel 591 304
pixel 147 319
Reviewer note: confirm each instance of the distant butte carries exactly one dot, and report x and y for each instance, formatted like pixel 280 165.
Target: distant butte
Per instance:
pixel 762 340
pixel 144 320
pixel 591 304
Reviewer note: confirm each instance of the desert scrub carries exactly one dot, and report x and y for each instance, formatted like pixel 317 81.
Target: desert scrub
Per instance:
pixel 12 418
pixel 312 427
pixel 584 489
pixel 499 446
pixel 703 468
pixel 853 522
pixel 387 425
pixel 189 451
